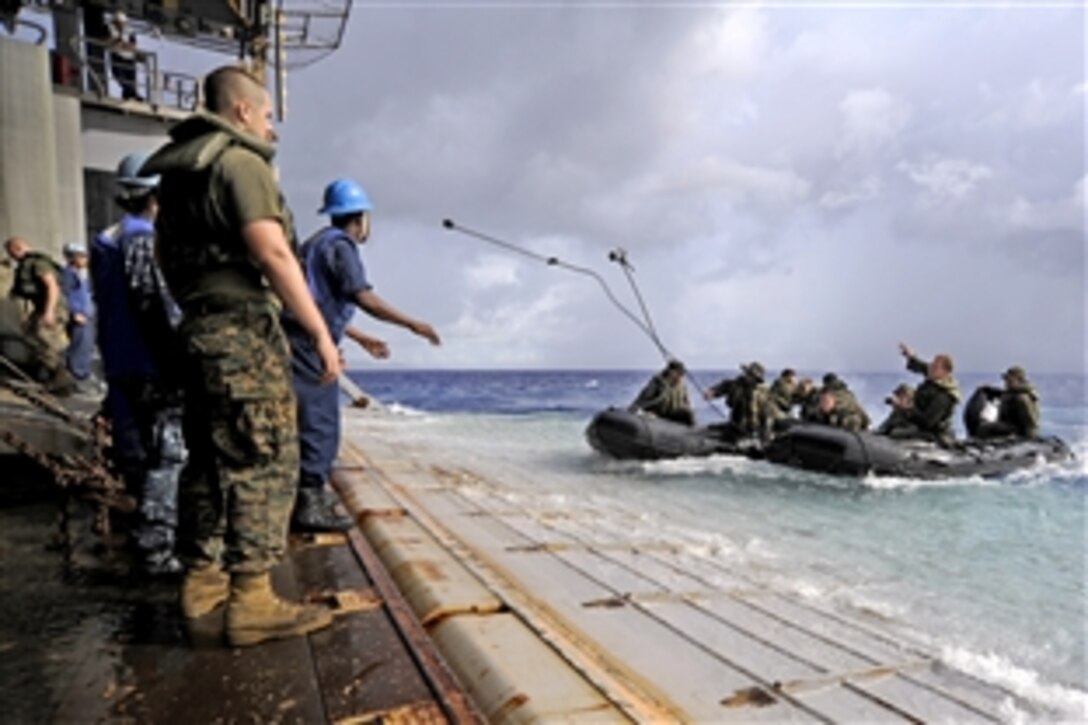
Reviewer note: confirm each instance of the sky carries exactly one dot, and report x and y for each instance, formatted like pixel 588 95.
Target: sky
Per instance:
pixel 803 184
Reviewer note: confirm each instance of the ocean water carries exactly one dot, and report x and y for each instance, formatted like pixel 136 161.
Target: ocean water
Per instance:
pixel 990 575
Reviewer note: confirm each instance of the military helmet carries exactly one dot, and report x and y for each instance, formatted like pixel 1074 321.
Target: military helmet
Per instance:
pixel 903 389
pixel 128 173
pixel 1015 373
pixel 344 197
pixel 754 370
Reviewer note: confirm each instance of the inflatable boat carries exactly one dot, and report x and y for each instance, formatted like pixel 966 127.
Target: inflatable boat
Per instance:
pixel 815 447
pixel 624 435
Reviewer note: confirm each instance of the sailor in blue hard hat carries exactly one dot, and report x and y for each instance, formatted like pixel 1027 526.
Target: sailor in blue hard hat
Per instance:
pixel 339 284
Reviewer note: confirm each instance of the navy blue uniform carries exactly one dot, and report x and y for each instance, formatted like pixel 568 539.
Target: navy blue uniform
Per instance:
pixel 335 275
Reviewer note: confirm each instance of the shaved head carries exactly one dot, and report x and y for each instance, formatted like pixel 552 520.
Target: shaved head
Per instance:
pixel 233 94
pixel 16 247
pixel 228 85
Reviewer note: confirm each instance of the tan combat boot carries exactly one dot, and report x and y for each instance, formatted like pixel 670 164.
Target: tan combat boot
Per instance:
pixel 202 590
pixel 256 614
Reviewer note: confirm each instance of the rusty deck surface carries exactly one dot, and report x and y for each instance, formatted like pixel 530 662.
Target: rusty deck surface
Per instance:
pixel 83 640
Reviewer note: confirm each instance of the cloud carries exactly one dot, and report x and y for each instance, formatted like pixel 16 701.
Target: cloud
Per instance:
pixel 867 190
pixel 946 179
pixel 806 184
pixel 872 118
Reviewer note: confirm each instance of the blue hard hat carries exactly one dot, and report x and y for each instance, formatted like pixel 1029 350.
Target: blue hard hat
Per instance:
pixel 343 197
pixel 128 172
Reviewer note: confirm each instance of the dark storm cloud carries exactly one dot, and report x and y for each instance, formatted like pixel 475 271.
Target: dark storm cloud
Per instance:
pixel 803 185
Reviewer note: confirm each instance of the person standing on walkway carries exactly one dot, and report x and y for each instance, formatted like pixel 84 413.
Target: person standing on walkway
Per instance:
pixel 224 245
pixel 338 281
pixel 81 311
pixel 37 283
pixel 123 56
pixel 137 337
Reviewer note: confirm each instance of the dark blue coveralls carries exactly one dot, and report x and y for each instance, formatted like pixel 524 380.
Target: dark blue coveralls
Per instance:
pixel 77 291
pixel 142 406
pixel 335 275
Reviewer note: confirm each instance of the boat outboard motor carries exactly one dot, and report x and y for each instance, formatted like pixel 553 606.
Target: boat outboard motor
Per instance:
pixel 981 408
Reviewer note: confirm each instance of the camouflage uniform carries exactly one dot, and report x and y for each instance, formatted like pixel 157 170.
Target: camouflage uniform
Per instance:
pixel 1018 407
pixel 934 404
pixel 50 343
pixel 847 413
pixel 781 396
pixel 665 400
pixel 238 486
pixel 1019 410
pixel 747 398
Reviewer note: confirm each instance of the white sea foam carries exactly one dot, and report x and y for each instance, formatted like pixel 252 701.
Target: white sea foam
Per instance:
pixel 1068 703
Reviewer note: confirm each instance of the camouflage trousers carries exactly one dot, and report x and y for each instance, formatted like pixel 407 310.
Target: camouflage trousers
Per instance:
pixel 50 343
pixel 238 486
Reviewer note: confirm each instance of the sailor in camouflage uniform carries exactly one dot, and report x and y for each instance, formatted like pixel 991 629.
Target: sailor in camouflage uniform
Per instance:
pixel 37 282
pixel 224 233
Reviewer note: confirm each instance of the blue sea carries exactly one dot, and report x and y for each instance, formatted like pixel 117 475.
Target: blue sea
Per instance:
pixel 989 574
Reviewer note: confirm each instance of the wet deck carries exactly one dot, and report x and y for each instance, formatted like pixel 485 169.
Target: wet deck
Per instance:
pixel 642 630
pixel 82 640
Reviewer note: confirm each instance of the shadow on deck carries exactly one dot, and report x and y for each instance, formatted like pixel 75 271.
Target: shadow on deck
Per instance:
pixel 83 640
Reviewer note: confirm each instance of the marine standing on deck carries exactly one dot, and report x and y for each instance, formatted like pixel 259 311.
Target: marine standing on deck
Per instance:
pixel 37 283
pixel 223 241
pixel 339 284
pixel 137 336
pixel 935 399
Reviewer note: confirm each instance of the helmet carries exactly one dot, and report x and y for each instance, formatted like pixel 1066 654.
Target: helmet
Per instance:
pixel 343 197
pixel 128 173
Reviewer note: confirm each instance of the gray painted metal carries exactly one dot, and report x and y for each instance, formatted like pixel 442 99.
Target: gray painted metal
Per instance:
pixel 28 156
pixel 110 133
pixel 69 145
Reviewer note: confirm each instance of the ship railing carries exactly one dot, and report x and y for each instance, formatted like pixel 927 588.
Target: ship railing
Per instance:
pixel 99 63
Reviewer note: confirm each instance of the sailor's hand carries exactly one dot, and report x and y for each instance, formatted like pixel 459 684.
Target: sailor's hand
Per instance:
pixel 49 319
pixel 331 363
pixel 79 318
pixel 378 349
pixel 424 330
pixel 905 351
